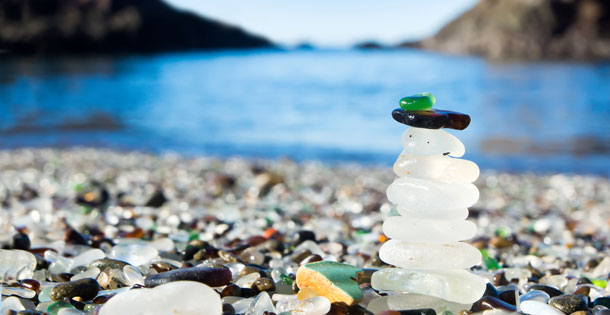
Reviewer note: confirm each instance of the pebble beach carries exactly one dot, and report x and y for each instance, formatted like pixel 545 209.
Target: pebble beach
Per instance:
pixel 94 231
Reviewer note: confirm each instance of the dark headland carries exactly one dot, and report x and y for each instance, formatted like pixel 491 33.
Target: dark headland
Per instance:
pixel 528 30
pixel 112 26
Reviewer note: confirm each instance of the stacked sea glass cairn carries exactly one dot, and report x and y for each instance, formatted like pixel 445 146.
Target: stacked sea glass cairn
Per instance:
pixel 433 193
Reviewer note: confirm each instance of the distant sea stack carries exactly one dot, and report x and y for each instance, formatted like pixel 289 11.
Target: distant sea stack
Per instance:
pixel 112 26
pixel 528 30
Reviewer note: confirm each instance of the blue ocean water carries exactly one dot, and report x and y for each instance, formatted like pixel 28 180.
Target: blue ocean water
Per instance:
pixel 329 105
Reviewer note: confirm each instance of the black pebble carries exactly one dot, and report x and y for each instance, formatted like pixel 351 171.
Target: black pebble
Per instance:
pixel 303 236
pixel 85 288
pixel 432 119
pixel 21 241
pixel 212 276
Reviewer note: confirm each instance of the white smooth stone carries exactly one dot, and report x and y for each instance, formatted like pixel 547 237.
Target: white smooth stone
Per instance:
pixel 247 280
pixel 11 303
pixel 132 275
pixel 87 257
pixel 446 214
pixel 458 286
pixel 436 167
pixel 21 292
pixel 162 244
pixel 431 142
pixel 377 305
pixel 420 194
pixel 538 308
pixel 428 230
pixel 15 263
pixel 429 256
pixel 413 301
pixel 535 295
pixel 178 297
pixel 89 273
pixel 241 306
pixel 69 311
pixel 136 254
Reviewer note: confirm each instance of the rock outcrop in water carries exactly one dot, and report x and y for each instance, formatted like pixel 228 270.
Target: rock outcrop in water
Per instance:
pixel 112 26
pixel 528 30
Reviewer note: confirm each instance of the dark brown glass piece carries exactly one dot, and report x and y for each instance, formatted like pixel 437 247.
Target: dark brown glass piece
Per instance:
pixel 432 119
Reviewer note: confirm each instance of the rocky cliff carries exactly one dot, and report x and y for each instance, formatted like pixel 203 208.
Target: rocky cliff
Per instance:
pixel 528 30
pixel 111 26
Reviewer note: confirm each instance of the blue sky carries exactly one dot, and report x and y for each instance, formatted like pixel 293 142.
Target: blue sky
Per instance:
pixel 333 23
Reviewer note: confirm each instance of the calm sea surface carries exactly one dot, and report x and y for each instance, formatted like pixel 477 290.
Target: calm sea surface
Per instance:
pixel 323 105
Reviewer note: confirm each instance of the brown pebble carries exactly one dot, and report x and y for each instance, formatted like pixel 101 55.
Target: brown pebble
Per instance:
pixel 490 303
pixel 581 313
pixel 30 284
pixel 365 275
pixel 583 290
pixel 248 270
pixel 464 312
pixel 264 284
pixel 338 309
pixel 298 257
pixel 231 290
pixel 102 299
pixel 509 296
pixel 227 309
pixel 227 256
pixel 500 242
pixel 161 266
pixel 500 279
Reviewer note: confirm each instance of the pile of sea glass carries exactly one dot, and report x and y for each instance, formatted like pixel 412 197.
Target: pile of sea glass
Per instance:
pixel 433 193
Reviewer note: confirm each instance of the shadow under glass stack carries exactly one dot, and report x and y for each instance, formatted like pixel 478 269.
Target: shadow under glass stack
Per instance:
pixel 433 193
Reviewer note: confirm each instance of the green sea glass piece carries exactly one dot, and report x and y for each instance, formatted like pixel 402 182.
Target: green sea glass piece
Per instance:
pixel 420 101
pixel 336 281
pixel 54 308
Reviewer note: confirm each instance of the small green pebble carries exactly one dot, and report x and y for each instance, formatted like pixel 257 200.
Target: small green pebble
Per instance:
pixel 54 308
pixel 286 279
pixel 600 283
pixel 501 232
pixel 421 101
pixel 491 263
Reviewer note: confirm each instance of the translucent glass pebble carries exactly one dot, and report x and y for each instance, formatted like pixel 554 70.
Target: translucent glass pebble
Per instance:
pixel 132 275
pixel 87 257
pixel 454 285
pixel 431 142
pixel 136 254
pixel 436 167
pixel 446 214
pixel 422 194
pixel 179 297
pixel 11 303
pixel 429 256
pixel 428 230
pixel 89 273
pixel 262 303
pixel 318 305
pixel 248 280
pixel 17 264
pixel 537 307
pixel 413 301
